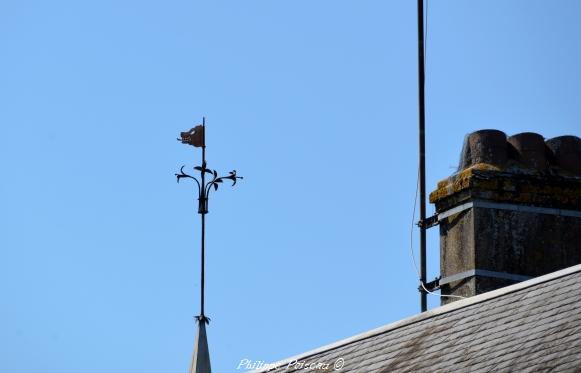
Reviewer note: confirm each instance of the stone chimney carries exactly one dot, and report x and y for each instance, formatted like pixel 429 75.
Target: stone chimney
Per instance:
pixel 510 213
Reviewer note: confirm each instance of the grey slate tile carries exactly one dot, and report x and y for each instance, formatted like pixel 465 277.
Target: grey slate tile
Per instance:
pixel 534 328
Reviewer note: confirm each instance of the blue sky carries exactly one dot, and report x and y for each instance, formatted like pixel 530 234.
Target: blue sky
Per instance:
pixel 313 102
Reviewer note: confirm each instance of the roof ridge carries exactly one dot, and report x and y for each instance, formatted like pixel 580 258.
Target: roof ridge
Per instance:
pixel 429 314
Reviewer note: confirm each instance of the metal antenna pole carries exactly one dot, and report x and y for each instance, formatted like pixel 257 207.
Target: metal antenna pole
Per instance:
pixel 422 135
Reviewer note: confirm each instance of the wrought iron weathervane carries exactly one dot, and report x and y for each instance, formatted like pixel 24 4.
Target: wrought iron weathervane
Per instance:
pixel 197 137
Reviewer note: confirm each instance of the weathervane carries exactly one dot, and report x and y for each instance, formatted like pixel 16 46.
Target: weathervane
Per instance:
pixel 197 138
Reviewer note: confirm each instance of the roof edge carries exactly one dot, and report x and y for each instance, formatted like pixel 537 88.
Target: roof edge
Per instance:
pixel 428 314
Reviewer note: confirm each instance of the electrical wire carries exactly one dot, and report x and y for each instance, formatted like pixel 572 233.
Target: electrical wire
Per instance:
pixel 412 246
pixel 426 37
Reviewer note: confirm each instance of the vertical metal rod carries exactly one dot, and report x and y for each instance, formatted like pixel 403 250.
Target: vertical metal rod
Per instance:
pixel 422 135
pixel 203 212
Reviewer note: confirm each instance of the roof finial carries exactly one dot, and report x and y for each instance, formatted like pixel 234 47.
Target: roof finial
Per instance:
pixel 197 137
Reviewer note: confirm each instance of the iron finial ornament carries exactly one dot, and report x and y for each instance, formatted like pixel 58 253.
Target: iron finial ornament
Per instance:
pixel 205 188
pixel 197 138
pixel 194 137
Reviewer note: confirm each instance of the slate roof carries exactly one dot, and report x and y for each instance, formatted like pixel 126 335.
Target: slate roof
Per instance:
pixel 532 326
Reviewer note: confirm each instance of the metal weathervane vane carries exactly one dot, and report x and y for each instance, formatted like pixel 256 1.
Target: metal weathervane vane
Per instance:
pixel 197 138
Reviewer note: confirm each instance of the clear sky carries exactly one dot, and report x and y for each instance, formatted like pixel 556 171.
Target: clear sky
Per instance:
pixel 313 102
